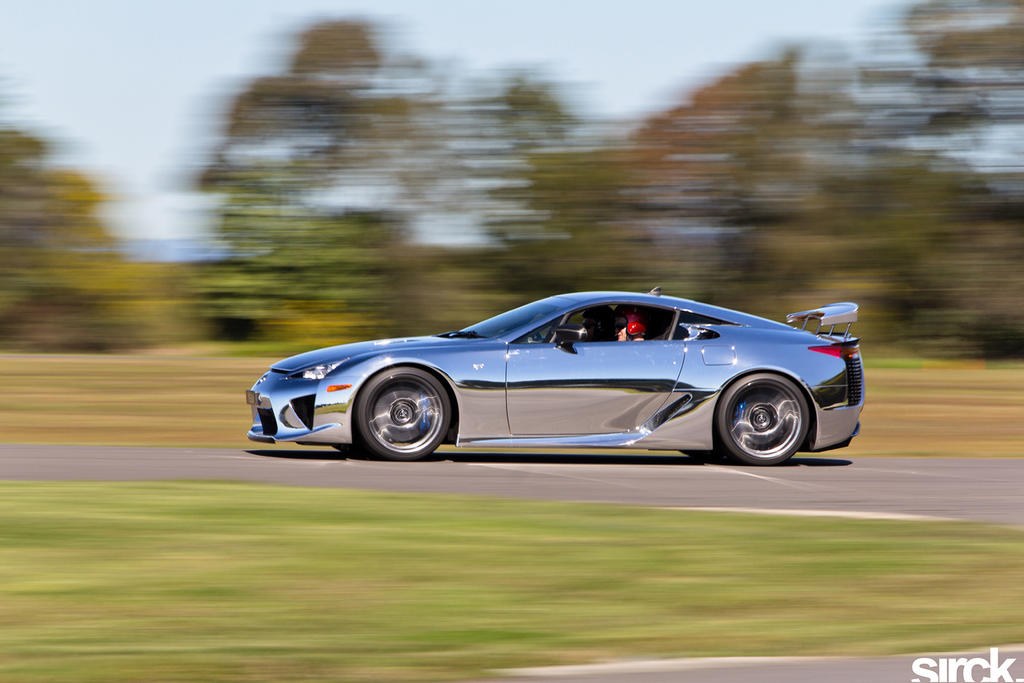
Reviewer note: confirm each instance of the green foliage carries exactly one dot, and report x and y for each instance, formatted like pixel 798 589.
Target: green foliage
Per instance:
pixel 311 278
pixel 296 266
pixel 817 198
pixel 63 284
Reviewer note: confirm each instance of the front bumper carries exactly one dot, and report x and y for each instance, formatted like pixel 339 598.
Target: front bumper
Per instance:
pixel 299 410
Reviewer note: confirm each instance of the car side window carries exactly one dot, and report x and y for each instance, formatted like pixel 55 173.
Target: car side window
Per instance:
pixel 654 323
pixel 539 335
pixel 688 320
pixel 599 327
pixel 599 321
pixel 602 321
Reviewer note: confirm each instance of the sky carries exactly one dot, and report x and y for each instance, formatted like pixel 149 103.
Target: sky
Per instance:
pixel 133 91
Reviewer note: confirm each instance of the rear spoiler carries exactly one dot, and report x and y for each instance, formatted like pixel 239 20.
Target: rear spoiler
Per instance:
pixel 844 313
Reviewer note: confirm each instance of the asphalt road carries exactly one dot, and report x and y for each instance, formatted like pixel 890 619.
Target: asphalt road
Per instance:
pixel 973 489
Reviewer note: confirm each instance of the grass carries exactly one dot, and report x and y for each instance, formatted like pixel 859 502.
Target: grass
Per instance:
pixel 927 409
pixel 974 412
pixel 127 400
pixel 212 581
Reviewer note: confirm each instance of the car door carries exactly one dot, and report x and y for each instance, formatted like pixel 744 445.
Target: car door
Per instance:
pixel 598 388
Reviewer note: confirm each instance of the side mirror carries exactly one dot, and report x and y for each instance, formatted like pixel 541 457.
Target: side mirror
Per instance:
pixel 568 334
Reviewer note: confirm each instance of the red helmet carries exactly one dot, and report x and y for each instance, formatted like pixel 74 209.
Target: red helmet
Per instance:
pixel 633 319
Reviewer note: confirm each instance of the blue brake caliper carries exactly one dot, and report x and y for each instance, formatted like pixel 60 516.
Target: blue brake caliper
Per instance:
pixel 740 407
pixel 424 420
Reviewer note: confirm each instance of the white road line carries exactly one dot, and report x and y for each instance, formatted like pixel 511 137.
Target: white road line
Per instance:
pixel 631 666
pixel 712 469
pixel 916 473
pixel 801 512
pixel 774 480
pixel 286 461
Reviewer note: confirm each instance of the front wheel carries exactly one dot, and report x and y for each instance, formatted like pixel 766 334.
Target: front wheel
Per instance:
pixel 762 419
pixel 402 414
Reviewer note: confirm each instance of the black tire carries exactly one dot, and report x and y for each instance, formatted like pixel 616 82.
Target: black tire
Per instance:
pixel 762 419
pixel 402 414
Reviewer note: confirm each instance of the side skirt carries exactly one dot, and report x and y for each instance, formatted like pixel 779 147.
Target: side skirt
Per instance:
pixel 582 441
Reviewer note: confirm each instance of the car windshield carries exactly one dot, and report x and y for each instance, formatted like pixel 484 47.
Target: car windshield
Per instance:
pixel 516 318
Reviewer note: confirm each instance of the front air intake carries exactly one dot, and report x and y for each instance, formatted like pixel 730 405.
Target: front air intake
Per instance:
pixel 268 421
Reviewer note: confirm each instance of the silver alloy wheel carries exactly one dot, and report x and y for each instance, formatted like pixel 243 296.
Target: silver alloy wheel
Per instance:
pixel 405 415
pixel 765 419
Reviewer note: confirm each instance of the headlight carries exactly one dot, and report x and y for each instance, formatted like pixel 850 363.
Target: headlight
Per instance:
pixel 318 371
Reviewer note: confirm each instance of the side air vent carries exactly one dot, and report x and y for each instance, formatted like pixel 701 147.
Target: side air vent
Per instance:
pixel 303 407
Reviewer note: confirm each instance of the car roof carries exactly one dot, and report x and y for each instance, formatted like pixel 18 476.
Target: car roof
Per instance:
pixel 584 298
pixel 580 299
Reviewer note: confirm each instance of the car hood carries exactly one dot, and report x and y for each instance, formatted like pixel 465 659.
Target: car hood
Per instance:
pixel 343 351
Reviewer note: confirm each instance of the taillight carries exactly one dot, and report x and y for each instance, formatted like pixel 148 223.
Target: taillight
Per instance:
pixel 838 351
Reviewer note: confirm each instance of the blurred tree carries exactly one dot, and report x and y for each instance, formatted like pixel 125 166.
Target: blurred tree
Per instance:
pixel 974 59
pixel 955 103
pixel 582 238
pixel 308 161
pixel 63 282
pixel 329 176
pixel 804 178
pixel 559 216
pixel 524 119
pixel 727 176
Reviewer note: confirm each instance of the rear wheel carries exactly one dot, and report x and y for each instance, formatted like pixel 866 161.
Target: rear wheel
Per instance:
pixel 402 414
pixel 762 419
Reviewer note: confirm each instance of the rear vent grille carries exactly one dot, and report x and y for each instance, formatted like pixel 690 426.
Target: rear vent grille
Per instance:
pixel 854 380
pixel 268 421
pixel 303 407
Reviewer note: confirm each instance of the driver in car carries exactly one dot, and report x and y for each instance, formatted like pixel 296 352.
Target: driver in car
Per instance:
pixel 630 324
pixel 599 323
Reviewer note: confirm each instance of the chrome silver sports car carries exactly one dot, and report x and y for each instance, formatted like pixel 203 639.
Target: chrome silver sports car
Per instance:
pixel 590 370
